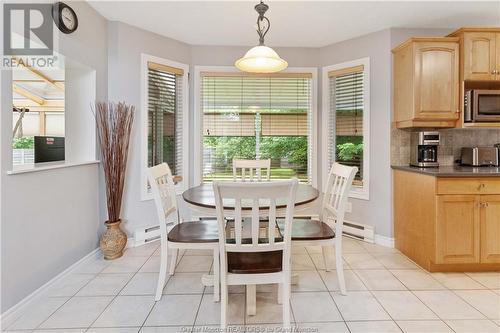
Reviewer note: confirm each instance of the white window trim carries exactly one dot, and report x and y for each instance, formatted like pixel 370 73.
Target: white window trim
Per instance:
pixel 182 186
pixel 358 193
pixel 198 117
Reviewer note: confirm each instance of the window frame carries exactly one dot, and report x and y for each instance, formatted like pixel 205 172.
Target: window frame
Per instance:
pixel 182 186
pixel 356 192
pixel 198 117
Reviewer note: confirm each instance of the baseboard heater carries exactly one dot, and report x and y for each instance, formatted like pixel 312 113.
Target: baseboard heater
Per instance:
pixel 146 235
pixel 351 229
pixel 359 231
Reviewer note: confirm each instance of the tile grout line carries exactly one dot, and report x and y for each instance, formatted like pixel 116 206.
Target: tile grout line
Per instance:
pixel 204 293
pixel 69 298
pixel 472 305
pixel 329 294
pixel 115 296
pixel 407 289
pixel 428 307
pixel 471 277
pixel 166 282
pixel 386 311
pixel 437 315
pixel 450 290
pixel 201 299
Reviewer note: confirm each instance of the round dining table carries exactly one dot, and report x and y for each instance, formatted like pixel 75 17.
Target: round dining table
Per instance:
pixel 201 200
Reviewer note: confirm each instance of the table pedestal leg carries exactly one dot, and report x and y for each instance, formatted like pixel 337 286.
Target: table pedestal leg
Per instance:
pixel 251 299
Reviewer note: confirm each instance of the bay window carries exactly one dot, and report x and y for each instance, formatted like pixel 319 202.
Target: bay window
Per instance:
pixel 165 110
pixel 256 117
pixel 346 120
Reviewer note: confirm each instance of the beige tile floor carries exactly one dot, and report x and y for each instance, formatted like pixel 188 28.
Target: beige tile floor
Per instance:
pixel 386 293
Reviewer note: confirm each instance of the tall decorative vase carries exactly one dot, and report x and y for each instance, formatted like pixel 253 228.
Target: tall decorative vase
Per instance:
pixel 113 241
pixel 114 125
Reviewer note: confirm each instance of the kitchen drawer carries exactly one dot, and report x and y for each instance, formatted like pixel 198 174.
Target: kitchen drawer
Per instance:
pixel 485 185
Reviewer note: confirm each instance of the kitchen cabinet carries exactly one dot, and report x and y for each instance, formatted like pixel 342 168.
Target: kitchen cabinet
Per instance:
pixel 479 53
pixel 457 229
pixel 448 223
pixel 479 56
pixel 490 228
pixel 426 82
pixel 479 65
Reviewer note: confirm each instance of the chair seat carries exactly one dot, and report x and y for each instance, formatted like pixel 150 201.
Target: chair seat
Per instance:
pixel 307 229
pixel 206 231
pixel 254 262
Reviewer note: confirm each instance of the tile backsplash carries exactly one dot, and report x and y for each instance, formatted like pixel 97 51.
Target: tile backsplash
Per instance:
pixel 452 140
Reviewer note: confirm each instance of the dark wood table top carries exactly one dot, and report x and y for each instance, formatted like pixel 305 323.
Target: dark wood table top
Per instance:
pixel 203 196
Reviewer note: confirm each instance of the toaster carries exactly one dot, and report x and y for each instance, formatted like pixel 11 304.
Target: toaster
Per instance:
pixel 480 156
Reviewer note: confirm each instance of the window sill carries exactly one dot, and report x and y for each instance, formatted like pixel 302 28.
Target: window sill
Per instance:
pixel 47 166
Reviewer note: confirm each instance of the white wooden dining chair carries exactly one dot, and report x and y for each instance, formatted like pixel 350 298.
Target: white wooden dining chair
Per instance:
pixel 254 240
pixel 327 231
pixel 196 235
pixel 254 167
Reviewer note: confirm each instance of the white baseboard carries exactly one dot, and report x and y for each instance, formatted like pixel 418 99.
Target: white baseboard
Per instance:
pixel 384 241
pixel 130 243
pixel 13 313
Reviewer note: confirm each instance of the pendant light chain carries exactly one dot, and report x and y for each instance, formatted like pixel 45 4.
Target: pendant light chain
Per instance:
pixel 261 9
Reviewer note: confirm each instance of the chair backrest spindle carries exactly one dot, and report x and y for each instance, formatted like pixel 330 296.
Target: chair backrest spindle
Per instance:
pixel 336 193
pixel 258 196
pixel 251 165
pixel 163 189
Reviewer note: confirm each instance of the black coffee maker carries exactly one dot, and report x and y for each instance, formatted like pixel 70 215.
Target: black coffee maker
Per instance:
pixel 424 149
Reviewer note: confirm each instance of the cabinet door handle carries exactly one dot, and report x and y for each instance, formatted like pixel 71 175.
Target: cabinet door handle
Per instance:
pixel 494 71
pixel 483 204
pixel 481 186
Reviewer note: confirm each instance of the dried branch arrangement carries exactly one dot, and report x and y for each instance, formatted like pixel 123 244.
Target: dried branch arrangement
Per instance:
pixel 114 125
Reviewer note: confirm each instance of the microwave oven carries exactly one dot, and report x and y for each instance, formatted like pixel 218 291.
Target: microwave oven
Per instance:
pixel 481 105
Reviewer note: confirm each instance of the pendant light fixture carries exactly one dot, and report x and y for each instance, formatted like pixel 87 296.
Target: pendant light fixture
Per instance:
pixel 261 59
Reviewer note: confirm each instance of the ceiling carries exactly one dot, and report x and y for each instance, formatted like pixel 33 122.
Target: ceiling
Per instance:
pixel 37 89
pixel 293 23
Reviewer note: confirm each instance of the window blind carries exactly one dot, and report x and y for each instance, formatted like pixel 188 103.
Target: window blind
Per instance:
pixel 345 123
pixel 165 116
pixel 256 117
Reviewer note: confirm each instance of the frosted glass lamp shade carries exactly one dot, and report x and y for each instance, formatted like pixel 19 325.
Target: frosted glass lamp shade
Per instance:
pixel 261 59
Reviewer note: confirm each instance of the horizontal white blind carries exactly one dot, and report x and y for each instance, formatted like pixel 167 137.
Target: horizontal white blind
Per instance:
pixel 164 118
pixel 345 123
pixel 256 117
pixel 228 94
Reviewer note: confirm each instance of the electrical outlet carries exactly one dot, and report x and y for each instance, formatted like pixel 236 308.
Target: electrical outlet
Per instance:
pixel 348 208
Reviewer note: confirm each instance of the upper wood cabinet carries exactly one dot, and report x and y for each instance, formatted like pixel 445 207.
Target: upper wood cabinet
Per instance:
pixel 479 56
pixel 480 53
pixel 426 82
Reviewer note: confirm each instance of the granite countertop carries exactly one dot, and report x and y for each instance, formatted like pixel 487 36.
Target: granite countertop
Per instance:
pixel 452 171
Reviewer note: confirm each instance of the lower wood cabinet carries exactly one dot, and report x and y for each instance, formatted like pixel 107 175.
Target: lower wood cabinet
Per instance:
pixel 448 224
pixel 490 228
pixel 457 229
